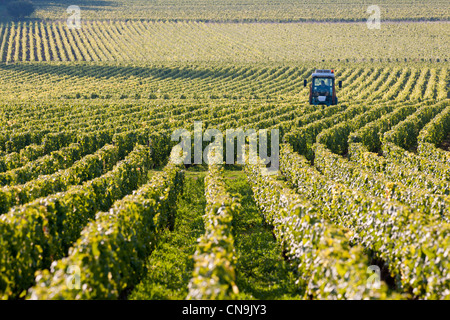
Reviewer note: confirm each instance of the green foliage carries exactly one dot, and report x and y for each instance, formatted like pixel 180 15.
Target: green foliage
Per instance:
pixel 303 138
pixel 413 244
pixel 370 134
pixel 45 143
pixel 54 138
pixel 85 169
pixel 214 272
pixel 112 249
pixel 426 171
pixel 42 231
pixel 170 266
pixel 401 166
pixel 336 137
pixel 358 176
pixel 261 270
pixel 14 142
pixel 57 160
pixel 432 135
pixel 20 9
pixel 405 133
pixel 104 41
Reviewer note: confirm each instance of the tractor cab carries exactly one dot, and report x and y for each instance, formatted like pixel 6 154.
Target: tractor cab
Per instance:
pixel 322 89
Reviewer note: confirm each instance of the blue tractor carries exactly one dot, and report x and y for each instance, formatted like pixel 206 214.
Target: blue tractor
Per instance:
pixel 322 89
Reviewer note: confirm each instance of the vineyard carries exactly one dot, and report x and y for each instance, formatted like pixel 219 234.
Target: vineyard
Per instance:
pixel 245 10
pixel 94 206
pixel 150 41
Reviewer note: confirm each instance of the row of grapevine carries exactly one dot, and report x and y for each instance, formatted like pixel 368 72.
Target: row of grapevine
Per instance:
pixel 214 275
pixel 326 264
pixel 32 144
pixel 357 177
pixel 370 134
pixel 413 247
pixel 397 163
pixel 336 137
pixel 87 168
pixel 430 170
pixel 152 41
pixel 111 252
pixel 50 142
pixel 395 171
pixel 321 113
pixel 404 136
pixel 85 143
pixel 303 138
pixel 405 92
pixel 213 82
pixel 46 165
pixel 39 232
pixel 432 135
pixel 143 114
